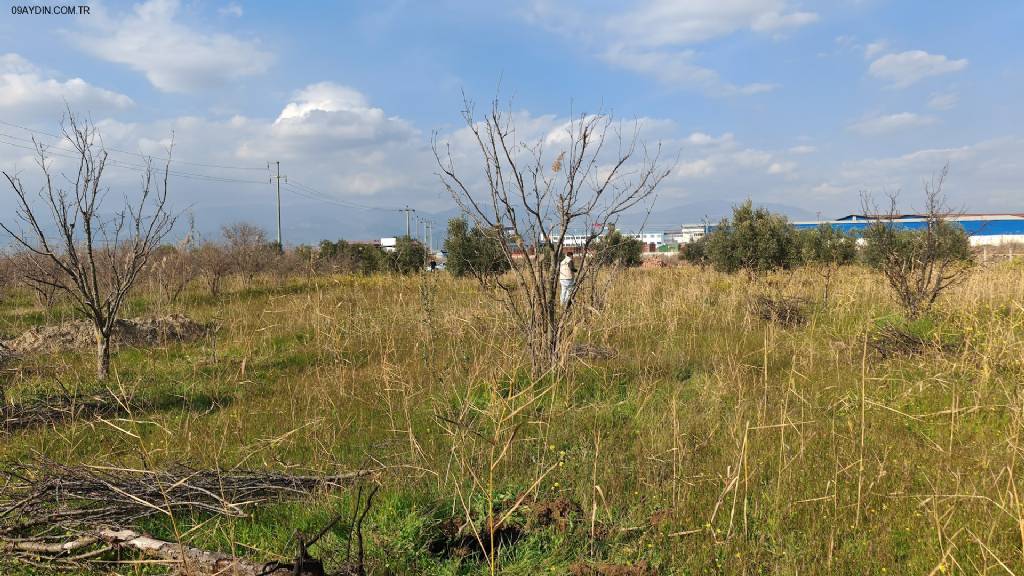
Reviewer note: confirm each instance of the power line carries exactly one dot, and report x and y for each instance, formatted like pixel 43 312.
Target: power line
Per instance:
pixel 71 154
pixel 162 158
pixel 349 203
pixel 295 187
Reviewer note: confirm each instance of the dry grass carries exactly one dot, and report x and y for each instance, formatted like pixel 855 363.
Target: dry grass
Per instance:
pixel 711 441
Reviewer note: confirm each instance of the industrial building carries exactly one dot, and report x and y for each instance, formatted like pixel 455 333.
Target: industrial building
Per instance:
pixel 983 229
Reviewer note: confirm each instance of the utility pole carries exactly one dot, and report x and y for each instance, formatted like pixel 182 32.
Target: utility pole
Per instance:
pixel 408 228
pixel 278 177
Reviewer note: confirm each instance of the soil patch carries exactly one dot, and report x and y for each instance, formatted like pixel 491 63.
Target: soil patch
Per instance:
pixel 560 513
pixel 142 332
pixel 454 538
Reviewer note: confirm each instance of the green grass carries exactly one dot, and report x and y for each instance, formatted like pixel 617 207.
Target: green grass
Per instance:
pixel 712 443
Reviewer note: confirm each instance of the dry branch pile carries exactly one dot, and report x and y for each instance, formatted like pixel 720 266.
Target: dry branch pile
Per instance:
pixel 132 332
pixel 5 353
pixel 781 310
pixel 60 515
pixel 59 409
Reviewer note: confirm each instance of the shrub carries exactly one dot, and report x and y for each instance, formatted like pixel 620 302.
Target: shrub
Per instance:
pixel 619 250
pixel 353 258
pixel 755 241
pixel 918 264
pixel 248 249
pixel 826 249
pixel 409 256
pixel 695 251
pixel 473 252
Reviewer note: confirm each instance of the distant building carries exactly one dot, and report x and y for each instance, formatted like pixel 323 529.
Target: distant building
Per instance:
pixel 687 234
pixel 983 229
pixel 388 244
pixel 579 240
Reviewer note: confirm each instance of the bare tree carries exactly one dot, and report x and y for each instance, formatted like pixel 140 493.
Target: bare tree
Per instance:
pixel 214 266
pixel 96 258
pixel 920 264
pixel 248 248
pixel 594 173
pixel 174 267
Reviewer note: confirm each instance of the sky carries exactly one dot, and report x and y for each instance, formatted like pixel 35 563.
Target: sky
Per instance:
pixel 799 105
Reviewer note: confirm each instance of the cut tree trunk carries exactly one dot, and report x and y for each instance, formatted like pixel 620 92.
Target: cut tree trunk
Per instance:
pixel 102 355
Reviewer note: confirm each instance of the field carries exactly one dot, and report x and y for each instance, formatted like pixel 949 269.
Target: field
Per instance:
pixel 698 439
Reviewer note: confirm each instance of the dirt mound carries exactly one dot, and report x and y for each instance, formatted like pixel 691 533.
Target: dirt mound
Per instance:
pixel 79 335
pixel 455 538
pixel 654 263
pixel 560 513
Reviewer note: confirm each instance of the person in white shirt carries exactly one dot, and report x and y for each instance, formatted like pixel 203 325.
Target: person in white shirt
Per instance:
pixel 567 277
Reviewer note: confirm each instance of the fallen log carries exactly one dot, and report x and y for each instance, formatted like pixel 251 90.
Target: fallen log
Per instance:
pixel 65 517
pixel 184 559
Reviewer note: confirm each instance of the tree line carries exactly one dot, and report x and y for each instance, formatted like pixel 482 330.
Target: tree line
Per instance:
pixel 917 264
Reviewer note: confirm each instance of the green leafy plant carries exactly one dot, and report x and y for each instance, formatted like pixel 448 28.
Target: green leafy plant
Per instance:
pixel 755 240
pixel 614 248
pixel 473 251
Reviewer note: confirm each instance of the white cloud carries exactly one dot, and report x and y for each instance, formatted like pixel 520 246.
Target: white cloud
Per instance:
pixel 695 168
pixel 907 68
pixel 775 21
pixel 943 101
pixel 782 167
pixel 677 68
pixel 670 22
pixel 803 149
pixel 323 97
pixel 704 139
pixel 656 38
pixel 328 120
pixel 875 48
pixel 876 125
pixel 231 9
pixel 26 91
pixel 173 56
pixel 984 176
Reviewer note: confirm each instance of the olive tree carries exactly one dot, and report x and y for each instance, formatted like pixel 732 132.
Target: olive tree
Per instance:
pixel 473 251
pixel 75 247
pixel 755 241
pixel 918 264
pixel 826 248
pixel 409 256
pixel 617 249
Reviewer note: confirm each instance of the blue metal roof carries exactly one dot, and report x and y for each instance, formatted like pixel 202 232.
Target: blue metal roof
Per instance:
pixel 988 226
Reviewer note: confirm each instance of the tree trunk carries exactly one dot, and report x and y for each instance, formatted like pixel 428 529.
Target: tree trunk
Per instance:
pixel 102 355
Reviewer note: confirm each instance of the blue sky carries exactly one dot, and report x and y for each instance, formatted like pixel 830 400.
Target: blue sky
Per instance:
pixel 798 103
